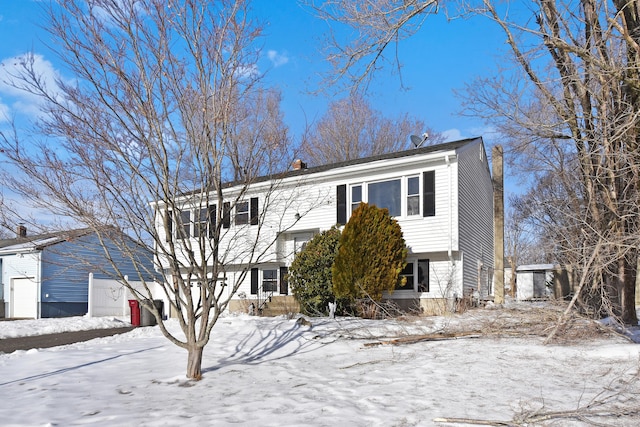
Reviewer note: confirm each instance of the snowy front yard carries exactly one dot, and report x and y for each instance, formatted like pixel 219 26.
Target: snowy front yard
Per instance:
pixel 272 372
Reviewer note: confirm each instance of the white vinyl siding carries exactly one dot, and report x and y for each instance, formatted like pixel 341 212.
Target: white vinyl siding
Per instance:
pixel 307 203
pixel 436 233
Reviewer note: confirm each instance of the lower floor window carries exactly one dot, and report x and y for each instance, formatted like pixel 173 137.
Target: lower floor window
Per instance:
pixel 407 274
pixel 269 280
pixel 416 275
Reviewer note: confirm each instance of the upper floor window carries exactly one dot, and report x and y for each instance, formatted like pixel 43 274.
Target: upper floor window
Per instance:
pixel 242 213
pixel 356 197
pixel 387 194
pixel 413 195
pixel 196 222
pixel 299 243
pixel 185 221
pixel 201 222
pixel 409 197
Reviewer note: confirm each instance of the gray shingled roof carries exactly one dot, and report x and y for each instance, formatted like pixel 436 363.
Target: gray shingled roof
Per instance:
pixel 447 146
pixel 37 242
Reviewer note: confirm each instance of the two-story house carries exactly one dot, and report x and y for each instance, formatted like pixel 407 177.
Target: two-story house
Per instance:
pixel 441 195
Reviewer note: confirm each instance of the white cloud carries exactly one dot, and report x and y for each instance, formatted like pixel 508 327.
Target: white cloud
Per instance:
pixel 4 112
pixel 249 71
pixel 452 135
pixel 277 59
pixel 488 134
pixel 14 91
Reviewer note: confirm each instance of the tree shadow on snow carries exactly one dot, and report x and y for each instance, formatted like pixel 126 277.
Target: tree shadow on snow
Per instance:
pixel 73 368
pixel 268 345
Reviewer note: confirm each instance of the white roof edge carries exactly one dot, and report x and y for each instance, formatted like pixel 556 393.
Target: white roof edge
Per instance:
pixel 532 267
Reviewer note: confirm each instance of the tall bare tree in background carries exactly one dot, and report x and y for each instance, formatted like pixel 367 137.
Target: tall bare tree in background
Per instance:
pixel 352 129
pixel 573 92
pixel 579 109
pixel 167 105
pixel 521 242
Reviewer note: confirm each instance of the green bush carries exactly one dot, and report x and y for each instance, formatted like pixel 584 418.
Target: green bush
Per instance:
pixel 310 273
pixel 371 254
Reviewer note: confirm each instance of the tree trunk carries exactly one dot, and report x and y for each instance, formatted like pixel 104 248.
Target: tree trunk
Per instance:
pixel 194 362
pixel 628 297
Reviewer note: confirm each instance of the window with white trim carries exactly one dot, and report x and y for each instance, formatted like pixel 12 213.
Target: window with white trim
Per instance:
pixel 356 197
pixel 409 196
pixel 409 276
pixel 299 243
pixel 242 213
pixel 269 280
pixel 416 275
pixel 185 222
pixel 386 194
pixel 201 222
pixel 413 195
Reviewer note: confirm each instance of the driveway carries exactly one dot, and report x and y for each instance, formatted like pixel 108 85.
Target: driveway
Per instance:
pixel 9 345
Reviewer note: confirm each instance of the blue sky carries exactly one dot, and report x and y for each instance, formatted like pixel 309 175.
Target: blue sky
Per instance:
pixel 442 57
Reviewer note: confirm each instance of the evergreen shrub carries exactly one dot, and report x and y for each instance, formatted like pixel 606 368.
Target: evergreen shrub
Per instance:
pixel 310 273
pixel 371 254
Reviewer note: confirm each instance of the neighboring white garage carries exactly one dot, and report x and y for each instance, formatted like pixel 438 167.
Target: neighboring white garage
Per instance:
pixel 24 298
pixel 46 275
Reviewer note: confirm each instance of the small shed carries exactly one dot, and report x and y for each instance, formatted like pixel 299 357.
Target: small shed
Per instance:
pixel 534 281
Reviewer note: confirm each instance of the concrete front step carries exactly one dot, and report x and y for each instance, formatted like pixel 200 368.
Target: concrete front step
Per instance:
pixel 279 305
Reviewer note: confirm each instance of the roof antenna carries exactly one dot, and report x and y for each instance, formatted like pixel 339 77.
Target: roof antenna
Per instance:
pixel 419 140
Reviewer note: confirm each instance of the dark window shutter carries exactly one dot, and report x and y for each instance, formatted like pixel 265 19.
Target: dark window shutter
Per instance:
pixel 168 225
pixel 284 283
pixel 428 193
pixel 423 275
pixel 226 215
pixel 212 221
pixel 342 204
pixel 254 211
pixel 254 281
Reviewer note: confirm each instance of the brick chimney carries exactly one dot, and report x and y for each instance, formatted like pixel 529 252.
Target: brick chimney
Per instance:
pixel 298 165
pixel 21 231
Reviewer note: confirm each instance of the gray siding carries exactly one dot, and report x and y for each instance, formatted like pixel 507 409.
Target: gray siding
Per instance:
pixel 475 216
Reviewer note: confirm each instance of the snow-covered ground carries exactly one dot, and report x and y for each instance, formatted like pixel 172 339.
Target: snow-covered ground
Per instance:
pixel 342 372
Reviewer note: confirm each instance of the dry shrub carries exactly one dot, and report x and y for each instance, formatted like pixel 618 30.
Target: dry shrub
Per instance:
pixel 524 320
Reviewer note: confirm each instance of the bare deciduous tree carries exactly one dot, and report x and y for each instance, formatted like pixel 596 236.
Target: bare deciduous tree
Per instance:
pixel 352 129
pixel 577 117
pixel 166 106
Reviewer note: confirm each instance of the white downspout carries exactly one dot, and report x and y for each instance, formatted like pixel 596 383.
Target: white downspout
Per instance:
pixel 450 208
pixel 39 285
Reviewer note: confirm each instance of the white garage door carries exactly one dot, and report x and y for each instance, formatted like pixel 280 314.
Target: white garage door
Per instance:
pixel 24 301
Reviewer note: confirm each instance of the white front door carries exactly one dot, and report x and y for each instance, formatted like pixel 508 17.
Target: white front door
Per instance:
pixel 24 298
